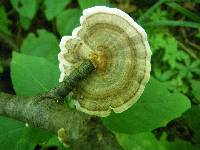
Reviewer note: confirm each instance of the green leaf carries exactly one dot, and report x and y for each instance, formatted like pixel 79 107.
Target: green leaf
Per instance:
pixel 196 89
pixel 67 21
pixel 14 135
pixel 171 51
pixel 158 15
pixel 32 75
pixel 44 44
pixel 177 84
pixel 142 141
pixel 192 117
pixel 156 107
pixel 88 3
pixel 164 42
pixel 150 10
pixel 26 8
pixel 54 7
pixel 157 41
pixel 188 69
pixel 4 21
pixel 163 76
pixel 55 142
pixel 25 22
pixel 147 141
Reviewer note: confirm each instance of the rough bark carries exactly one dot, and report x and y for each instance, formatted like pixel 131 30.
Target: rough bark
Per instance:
pixel 81 131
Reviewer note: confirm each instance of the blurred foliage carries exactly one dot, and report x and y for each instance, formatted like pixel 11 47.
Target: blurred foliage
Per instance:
pixel 30 31
pixel 196 89
pixel 73 16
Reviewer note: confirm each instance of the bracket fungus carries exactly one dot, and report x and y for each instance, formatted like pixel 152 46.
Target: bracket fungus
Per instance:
pixel 119 50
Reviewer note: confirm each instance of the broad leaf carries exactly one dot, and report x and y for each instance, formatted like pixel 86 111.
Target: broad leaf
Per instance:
pixel 54 7
pixel 32 75
pixel 14 135
pixel 90 3
pixel 192 117
pixel 67 21
pixel 147 141
pixel 45 44
pixel 156 107
pixel 26 8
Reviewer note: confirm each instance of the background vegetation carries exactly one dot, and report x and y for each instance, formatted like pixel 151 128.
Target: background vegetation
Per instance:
pixel 167 116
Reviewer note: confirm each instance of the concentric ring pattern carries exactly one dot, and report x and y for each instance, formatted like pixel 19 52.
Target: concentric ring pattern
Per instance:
pixel 125 68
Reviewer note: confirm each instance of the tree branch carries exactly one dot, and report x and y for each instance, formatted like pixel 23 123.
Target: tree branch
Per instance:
pixel 73 79
pixel 81 131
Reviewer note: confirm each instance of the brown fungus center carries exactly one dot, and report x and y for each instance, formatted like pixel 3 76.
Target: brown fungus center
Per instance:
pixel 119 50
pixel 101 60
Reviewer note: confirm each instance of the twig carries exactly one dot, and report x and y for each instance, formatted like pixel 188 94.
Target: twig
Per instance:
pixel 6 39
pixel 74 128
pixel 187 50
pixel 73 79
pixel 81 131
pixel 194 45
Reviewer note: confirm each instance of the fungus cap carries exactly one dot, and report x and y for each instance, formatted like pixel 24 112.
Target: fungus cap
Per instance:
pixel 123 68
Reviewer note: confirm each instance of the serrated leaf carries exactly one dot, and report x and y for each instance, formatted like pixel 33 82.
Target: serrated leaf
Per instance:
pixel 158 15
pixel 44 44
pixel 14 135
pixel 90 3
pixel 32 75
pixel 171 51
pixel 26 8
pixel 156 107
pixel 54 7
pixel 157 41
pixel 67 21
pixel 147 141
pixel 4 21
